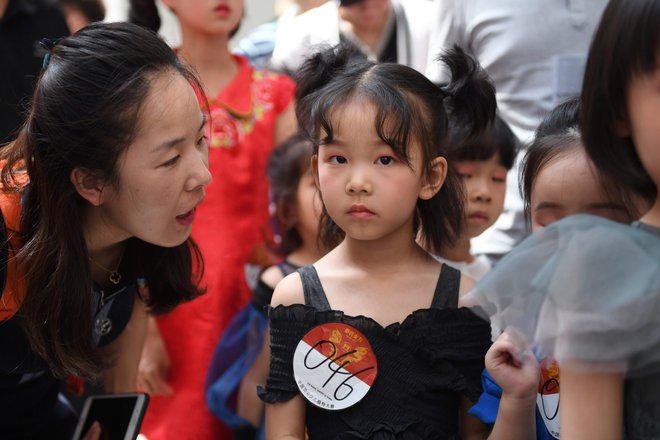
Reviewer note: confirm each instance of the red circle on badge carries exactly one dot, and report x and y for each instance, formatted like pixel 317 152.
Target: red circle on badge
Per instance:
pixel 334 366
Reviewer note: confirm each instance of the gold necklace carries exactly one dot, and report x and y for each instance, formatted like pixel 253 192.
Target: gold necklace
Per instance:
pixel 115 276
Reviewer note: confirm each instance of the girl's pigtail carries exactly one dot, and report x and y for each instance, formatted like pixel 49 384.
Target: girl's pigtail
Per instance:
pixel 470 93
pixel 321 67
pixel 316 72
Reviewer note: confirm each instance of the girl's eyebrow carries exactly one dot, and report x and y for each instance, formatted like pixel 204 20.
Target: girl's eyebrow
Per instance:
pixel 547 205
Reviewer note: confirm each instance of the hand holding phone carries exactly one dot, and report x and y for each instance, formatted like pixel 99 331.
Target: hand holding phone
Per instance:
pixel 119 415
pixel 94 432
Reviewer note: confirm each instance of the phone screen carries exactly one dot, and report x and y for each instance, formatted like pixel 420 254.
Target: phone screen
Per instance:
pixel 120 416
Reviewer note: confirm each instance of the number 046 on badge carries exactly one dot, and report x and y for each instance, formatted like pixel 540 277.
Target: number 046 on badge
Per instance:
pixel 334 366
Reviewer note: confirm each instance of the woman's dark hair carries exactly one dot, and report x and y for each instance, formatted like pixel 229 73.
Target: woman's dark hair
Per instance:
pixel 625 44
pixel 287 165
pixel 496 138
pixel 557 136
pixel 409 106
pixel 84 114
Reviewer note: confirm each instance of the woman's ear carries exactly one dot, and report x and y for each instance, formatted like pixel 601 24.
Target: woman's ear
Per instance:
pixel 87 185
pixel 434 178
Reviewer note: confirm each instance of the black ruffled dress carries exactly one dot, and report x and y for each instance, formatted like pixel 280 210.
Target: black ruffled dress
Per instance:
pixel 425 364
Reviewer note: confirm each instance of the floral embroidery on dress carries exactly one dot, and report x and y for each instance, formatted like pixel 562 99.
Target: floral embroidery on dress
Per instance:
pixel 227 127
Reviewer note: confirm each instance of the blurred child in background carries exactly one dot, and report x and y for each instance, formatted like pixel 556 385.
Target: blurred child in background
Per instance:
pixel 240 362
pixel 557 180
pixel 249 112
pixel 482 162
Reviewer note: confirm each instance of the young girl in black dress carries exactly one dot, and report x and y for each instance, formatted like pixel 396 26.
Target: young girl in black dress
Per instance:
pixel 372 341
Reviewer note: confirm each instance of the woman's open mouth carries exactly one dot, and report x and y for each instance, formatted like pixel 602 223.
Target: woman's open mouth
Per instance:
pixel 187 218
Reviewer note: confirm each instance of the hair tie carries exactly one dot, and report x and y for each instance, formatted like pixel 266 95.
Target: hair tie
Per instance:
pixel 446 93
pixel 44 66
pixel 48 44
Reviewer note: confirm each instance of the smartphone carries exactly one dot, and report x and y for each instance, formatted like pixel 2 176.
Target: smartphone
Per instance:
pixel 120 415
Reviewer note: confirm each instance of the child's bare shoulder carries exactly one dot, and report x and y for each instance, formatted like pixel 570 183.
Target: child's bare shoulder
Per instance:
pixel 271 276
pixel 288 291
pixel 467 283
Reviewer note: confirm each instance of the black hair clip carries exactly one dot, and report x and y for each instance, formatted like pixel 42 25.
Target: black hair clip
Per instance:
pixel 446 92
pixel 48 44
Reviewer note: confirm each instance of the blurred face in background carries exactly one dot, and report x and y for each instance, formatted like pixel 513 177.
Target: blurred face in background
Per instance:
pixel 366 14
pixel 485 187
pixel 211 17
pixel 568 185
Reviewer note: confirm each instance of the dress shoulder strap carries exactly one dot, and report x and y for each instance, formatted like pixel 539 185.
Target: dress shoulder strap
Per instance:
pixel 446 291
pixel 312 289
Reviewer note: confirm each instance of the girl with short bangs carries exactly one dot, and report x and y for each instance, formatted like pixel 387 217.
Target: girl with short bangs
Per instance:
pixel 378 311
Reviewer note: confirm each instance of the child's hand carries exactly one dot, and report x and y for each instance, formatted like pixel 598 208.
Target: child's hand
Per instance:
pixel 154 366
pixel 513 367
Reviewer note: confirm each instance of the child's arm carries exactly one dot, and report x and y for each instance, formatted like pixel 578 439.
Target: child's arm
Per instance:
pixel 518 375
pixel 286 124
pixel 154 364
pixel 122 376
pixel 249 406
pixel 286 420
pixel 591 403
pixel 470 427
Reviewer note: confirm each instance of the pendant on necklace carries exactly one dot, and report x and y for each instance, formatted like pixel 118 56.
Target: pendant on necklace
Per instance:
pixel 102 325
pixel 115 277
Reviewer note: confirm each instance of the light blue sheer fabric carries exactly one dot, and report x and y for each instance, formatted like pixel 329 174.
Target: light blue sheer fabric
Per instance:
pixel 585 289
pixel 588 289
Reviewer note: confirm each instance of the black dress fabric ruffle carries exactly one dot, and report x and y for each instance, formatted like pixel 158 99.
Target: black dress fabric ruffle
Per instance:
pixel 424 364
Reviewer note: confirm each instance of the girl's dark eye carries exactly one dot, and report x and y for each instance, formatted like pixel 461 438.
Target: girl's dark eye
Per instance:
pixel 385 160
pixel 337 159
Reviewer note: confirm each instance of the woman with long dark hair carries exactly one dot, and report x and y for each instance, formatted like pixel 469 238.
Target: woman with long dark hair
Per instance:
pixel 98 197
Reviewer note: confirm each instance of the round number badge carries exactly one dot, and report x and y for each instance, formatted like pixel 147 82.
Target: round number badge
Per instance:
pixel 334 366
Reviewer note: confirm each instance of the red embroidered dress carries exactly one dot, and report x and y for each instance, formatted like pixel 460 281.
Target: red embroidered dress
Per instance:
pixel 229 225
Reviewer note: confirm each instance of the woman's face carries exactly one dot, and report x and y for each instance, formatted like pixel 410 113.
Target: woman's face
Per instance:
pixel 163 172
